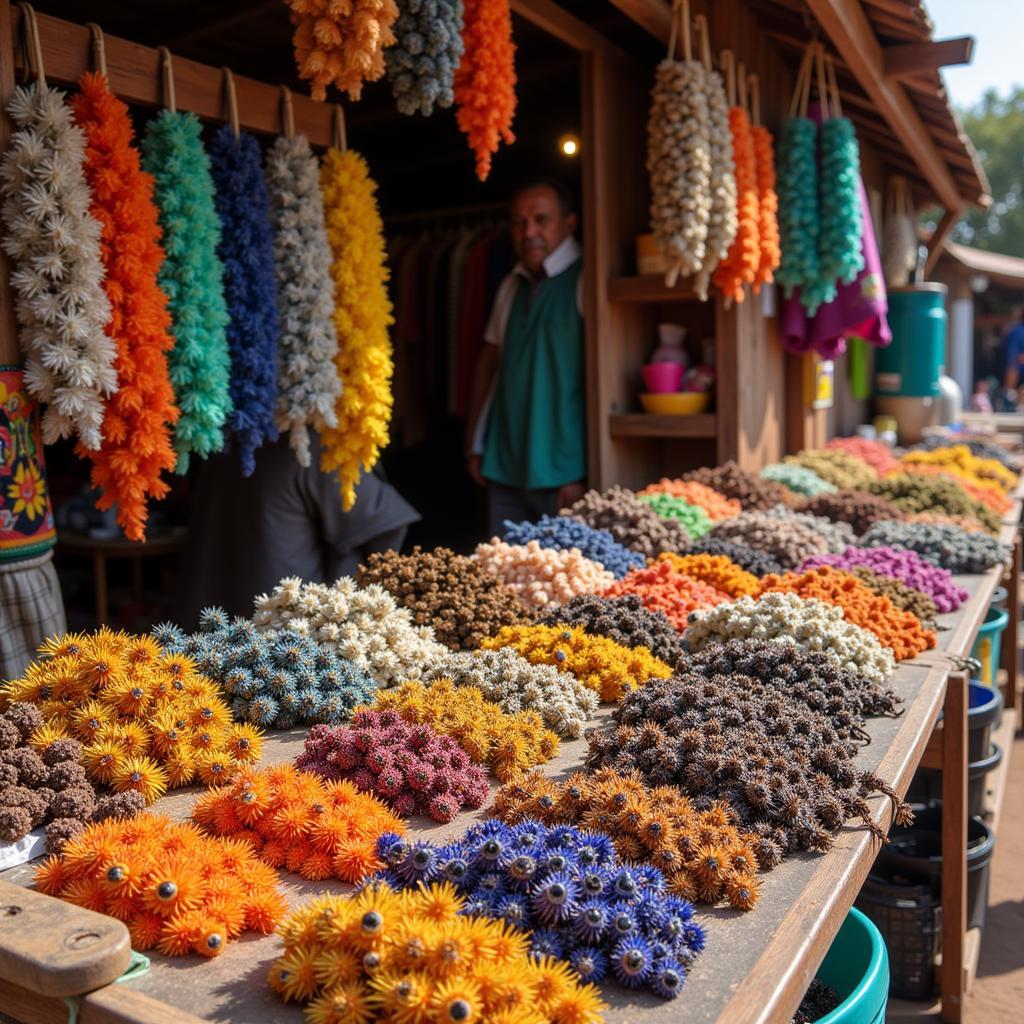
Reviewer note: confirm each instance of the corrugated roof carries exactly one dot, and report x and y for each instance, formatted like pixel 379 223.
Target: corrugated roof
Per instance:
pixel 1005 269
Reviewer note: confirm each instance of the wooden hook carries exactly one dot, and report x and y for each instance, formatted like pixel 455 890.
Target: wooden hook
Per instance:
pixel 33 47
pixel 754 87
pixel 728 62
pixel 167 78
pixel 287 112
pixel 99 49
pixel 338 124
pixel 232 98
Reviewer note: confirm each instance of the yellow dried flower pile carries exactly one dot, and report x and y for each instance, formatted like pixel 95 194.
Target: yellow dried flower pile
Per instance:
pixel 411 957
pixel 362 315
pixel 148 720
pixel 508 744
pixel 717 571
pixel 607 668
pixel 958 460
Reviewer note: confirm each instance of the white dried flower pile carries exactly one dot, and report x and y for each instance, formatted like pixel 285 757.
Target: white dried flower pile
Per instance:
pixel 362 624
pixel 837 535
pixel 61 308
pixel 543 576
pixel 679 164
pixel 724 220
pixel 509 680
pixel 307 379
pixel 786 618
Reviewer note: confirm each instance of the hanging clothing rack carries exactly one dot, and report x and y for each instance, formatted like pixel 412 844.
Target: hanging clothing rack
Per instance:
pixel 445 213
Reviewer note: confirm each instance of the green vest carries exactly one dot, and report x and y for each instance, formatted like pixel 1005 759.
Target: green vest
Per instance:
pixel 537 431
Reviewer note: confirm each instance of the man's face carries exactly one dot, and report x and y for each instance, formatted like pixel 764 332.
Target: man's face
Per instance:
pixel 539 226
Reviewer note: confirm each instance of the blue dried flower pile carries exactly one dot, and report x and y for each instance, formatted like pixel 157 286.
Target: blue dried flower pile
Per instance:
pixel 247 252
pixel 276 679
pixel 565 532
pixel 421 64
pixel 568 888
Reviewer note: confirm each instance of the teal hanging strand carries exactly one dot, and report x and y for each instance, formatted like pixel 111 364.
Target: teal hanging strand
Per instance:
pixel 192 278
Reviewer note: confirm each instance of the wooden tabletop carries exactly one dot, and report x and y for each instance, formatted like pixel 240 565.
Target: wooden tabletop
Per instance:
pixel 162 543
pixel 756 966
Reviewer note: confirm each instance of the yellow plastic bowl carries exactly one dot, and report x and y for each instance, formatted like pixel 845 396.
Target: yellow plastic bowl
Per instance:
pixel 675 403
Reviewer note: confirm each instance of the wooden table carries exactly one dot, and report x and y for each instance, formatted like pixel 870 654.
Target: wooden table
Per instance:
pixel 756 966
pixel 100 550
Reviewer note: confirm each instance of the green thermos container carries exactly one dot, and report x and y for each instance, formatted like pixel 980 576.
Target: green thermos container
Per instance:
pixel 911 366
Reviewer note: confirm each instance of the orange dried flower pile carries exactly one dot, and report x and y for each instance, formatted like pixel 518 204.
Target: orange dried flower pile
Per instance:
pixel 743 259
pixel 508 744
pixel 768 207
pixel 485 81
pixel 716 505
pixel 177 890
pixel 147 719
pixel 716 571
pixel 703 854
pixel 899 630
pixel 137 420
pixel 341 42
pixel 295 820
pixel 663 589
pixel 602 665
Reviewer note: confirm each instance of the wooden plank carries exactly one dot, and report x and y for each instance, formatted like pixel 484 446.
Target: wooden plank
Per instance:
pixel 972 954
pixel 648 288
pixel 53 948
pixel 847 25
pixel 939 235
pixel 118 1004
pixel 954 847
pixel 558 22
pixel 647 425
pixel 134 74
pixel 655 16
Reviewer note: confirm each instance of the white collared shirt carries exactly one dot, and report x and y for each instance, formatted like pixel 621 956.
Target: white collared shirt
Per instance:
pixel 564 256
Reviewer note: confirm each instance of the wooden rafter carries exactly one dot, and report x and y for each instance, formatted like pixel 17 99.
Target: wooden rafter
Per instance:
pixel 913 58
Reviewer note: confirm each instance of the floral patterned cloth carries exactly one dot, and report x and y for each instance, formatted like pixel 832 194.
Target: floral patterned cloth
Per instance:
pixel 26 516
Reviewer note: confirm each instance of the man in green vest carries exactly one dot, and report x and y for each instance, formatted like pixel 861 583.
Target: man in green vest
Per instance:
pixel 526 430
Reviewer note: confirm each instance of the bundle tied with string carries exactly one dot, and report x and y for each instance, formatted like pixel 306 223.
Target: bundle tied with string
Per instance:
pixel 723 223
pixel 307 378
pixel 191 275
pixel 842 219
pixel 679 155
pixel 767 197
pixel 797 172
pixel 247 252
pixel 54 243
pixel 362 316
pixel 138 419
pixel 899 234
pixel 739 267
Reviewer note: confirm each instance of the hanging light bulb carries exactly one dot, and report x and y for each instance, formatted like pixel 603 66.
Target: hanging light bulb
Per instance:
pixel 569 145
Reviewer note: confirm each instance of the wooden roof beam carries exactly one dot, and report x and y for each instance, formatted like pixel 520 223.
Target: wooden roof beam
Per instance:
pixel 846 24
pixel 912 59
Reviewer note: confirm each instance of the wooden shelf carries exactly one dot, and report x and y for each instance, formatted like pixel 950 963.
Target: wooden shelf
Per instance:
pixel 642 424
pixel 648 288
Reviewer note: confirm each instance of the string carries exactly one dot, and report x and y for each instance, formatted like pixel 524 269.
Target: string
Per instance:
pixel 684 15
pixel 822 86
pixel 99 49
pixel 755 98
pixel 794 103
pixel 729 71
pixel 34 47
pixel 287 113
pixel 673 34
pixel 701 25
pixel 741 84
pixel 229 82
pixel 167 76
pixel 833 81
pixel 340 140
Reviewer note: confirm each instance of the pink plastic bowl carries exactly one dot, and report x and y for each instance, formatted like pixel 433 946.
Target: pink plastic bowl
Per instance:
pixel 661 378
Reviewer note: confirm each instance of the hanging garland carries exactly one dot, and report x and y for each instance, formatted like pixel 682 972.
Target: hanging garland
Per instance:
pixel 842 221
pixel 739 267
pixel 723 223
pixel 421 65
pixel 768 200
pixel 362 316
pixel 62 310
pixel 341 42
pixel 247 252
pixel 307 379
pixel 679 156
pixel 192 279
pixel 139 418
pixel 485 81
pixel 899 234
pixel 797 170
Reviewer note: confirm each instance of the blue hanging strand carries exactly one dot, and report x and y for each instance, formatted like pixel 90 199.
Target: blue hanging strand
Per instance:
pixel 247 251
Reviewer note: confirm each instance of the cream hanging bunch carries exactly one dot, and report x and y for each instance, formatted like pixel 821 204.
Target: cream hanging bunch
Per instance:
pixel 61 307
pixel 307 378
pixel 723 224
pixel 679 156
pixel 899 234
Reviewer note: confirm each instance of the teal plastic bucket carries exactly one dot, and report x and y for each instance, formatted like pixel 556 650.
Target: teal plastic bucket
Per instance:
pixel 857 967
pixel 911 365
pixel 987 646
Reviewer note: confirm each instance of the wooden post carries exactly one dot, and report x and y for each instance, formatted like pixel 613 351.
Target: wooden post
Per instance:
pixel 954 847
pixel 1010 655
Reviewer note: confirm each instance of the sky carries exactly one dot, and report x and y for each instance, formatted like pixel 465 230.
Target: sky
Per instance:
pixel 998 30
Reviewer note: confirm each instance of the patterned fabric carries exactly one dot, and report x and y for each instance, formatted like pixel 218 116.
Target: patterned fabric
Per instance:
pixel 31 609
pixel 26 517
